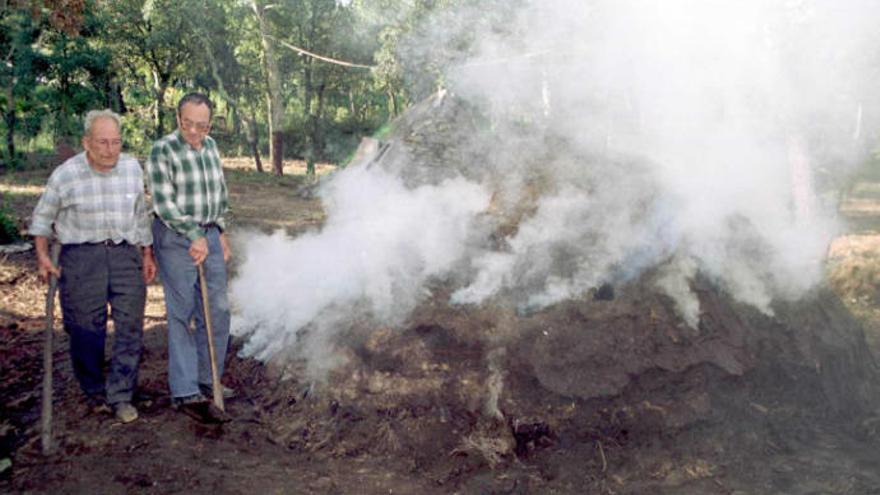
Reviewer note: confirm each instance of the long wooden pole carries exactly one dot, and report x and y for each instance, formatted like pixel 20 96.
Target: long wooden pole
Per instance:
pixel 46 413
pixel 216 387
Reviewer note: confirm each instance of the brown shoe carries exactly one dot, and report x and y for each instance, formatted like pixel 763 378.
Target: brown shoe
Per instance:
pixel 204 412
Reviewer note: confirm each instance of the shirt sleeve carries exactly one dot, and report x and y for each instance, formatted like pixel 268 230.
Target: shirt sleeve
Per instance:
pixel 142 217
pixel 47 209
pixel 165 195
pixel 224 204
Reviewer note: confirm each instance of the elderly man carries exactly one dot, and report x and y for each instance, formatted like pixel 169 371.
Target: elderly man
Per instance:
pixel 96 202
pixel 190 201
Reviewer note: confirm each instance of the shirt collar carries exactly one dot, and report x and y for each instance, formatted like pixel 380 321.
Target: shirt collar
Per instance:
pixel 183 142
pixel 87 168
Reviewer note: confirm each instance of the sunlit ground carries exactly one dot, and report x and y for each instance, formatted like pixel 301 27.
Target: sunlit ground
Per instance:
pixel 259 201
pixel 291 167
pixel 20 189
pixel 854 258
pixel 265 202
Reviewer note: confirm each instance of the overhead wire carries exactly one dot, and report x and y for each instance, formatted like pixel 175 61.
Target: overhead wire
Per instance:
pixel 320 57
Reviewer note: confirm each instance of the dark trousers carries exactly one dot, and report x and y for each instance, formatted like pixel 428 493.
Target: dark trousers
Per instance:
pixel 93 276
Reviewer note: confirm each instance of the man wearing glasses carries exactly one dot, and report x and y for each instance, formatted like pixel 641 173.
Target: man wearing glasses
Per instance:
pixel 190 201
pixel 95 201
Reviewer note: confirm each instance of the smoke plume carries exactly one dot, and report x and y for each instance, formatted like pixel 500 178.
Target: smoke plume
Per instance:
pixel 618 138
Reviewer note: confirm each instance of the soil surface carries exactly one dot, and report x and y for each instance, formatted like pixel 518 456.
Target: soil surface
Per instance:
pixel 609 394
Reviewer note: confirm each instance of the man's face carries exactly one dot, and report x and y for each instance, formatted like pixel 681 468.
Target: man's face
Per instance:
pixel 103 143
pixel 194 121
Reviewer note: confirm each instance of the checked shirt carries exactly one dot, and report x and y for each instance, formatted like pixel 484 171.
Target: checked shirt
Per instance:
pixel 187 185
pixel 90 206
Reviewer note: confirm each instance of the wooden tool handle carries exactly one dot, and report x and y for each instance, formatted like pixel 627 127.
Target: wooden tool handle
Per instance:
pixel 48 347
pixel 216 387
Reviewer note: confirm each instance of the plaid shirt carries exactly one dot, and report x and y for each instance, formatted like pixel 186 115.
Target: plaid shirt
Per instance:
pixel 187 185
pixel 90 206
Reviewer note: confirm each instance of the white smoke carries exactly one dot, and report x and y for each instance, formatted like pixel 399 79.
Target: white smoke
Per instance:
pixel 380 244
pixel 689 135
pixel 735 106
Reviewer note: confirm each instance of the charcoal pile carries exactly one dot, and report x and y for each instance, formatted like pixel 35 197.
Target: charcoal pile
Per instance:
pixel 611 391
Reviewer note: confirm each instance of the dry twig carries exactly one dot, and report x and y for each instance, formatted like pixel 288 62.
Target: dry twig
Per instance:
pixel 602 456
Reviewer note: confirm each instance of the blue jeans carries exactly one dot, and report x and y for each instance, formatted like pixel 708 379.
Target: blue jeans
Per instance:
pixel 189 363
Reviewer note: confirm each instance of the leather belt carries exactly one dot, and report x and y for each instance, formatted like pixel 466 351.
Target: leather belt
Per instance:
pixel 108 243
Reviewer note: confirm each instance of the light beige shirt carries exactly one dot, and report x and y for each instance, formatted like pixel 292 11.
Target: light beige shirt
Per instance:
pixel 90 206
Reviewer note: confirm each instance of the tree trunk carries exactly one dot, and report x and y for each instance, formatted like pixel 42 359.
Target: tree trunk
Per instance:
pixel 314 133
pixel 252 137
pixel 276 147
pixel 255 149
pixel 308 91
pixel 160 86
pixel 114 97
pixel 392 103
pixel 273 97
pixel 10 124
pixel 62 125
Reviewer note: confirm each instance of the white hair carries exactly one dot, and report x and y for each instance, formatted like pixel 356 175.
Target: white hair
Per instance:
pixel 94 115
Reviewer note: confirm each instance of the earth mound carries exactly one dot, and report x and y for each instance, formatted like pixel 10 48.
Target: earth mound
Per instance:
pixel 609 392
pixel 486 400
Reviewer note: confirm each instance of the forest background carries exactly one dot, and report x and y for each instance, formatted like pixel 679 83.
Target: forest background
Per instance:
pixel 291 79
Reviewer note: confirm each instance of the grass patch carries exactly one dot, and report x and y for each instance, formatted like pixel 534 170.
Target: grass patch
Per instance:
pixel 254 177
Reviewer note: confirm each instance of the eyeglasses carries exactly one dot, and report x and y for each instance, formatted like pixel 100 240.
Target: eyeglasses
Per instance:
pixel 198 126
pixel 112 143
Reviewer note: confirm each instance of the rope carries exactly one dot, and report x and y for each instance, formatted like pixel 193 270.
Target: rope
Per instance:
pixel 321 57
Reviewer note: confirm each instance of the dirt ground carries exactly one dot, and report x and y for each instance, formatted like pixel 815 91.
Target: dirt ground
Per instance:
pixel 395 424
pixel 164 451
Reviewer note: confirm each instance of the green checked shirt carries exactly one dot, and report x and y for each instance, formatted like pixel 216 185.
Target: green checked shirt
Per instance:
pixel 90 206
pixel 187 185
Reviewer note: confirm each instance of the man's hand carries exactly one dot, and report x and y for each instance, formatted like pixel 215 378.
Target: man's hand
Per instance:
pixel 44 262
pixel 198 249
pixel 45 268
pixel 224 243
pixel 149 265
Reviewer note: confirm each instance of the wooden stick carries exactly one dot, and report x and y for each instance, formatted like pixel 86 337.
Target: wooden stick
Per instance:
pixel 46 413
pixel 216 387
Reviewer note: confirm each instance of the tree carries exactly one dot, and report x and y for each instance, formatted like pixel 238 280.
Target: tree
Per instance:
pixel 79 71
pixel 273 85
pixel 324 36
pixel 230 48
pixel 152 40
pixel 19 70
pixel 51 67
pixel 317 74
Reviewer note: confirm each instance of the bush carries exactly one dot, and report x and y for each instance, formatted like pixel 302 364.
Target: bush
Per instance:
pixel 8 227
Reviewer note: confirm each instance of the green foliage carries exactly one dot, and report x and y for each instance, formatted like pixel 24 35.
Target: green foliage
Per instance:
pixel 8 228
pixel 139 57
pixel 81 72
pixel 137 129
pixel 53 73
pixel 383 132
